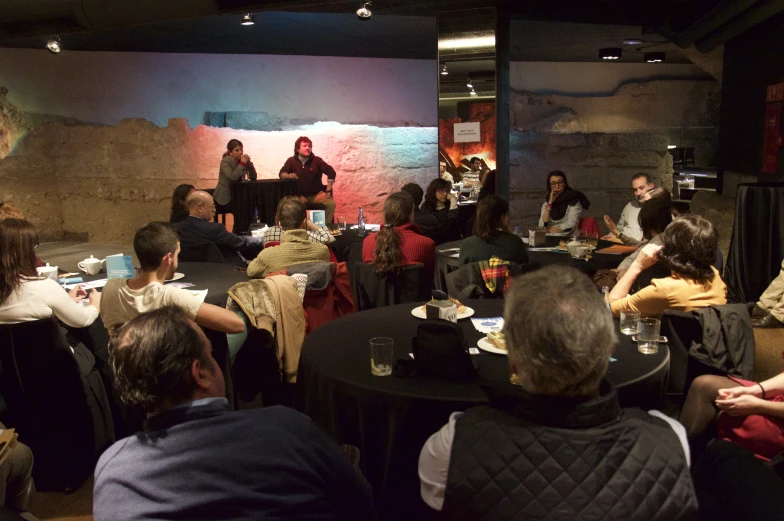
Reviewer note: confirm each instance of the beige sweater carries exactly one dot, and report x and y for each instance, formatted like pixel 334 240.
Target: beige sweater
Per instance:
pixel 295 248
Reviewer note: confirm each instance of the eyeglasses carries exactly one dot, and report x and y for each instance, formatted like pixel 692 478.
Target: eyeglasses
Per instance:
pixel 557 183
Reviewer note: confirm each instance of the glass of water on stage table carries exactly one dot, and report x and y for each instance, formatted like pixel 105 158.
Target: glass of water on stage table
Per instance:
pixel 648 336
pixel 630 322
pixel 382 352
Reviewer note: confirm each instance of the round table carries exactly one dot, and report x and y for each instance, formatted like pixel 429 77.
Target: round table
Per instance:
pixel 390 418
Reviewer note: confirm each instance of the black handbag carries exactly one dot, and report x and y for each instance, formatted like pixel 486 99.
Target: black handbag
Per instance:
pixel 440 350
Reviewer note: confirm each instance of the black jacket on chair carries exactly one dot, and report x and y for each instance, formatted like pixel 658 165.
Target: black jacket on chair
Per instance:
pixel 371 291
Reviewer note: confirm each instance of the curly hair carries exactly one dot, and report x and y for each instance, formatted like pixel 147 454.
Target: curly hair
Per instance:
pixel 151 357
pixel 655 215
pixel 18 240
pixel 490 213
pixel 387 257
pixel 438 184
pixel 690 244
pixel 299 141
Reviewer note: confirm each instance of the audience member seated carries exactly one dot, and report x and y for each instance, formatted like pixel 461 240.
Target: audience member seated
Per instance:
pixel 563 207
pixel 196 458
pixel 427 222
pixel 443 174
pixel 295 245
pixel 472 178
pixel 24 296
pixel 488 185
pixel 769 311
pixel 17 487
pixel 654 217
pixel 179 212
pixel 492 237
pixel 320 234
pixel 197 230
pixel 399 242
pixel 628 224
pixel 559 446
pixel 234 165
pixel 157 249
pixel 615 232
pixel 750 414
pixel 441 203
pixel 688 251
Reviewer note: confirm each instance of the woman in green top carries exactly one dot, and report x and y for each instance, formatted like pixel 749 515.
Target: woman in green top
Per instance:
pixel 491 235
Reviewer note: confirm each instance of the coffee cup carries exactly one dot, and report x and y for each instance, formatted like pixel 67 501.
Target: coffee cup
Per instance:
pixel 48 271
pixel 92 265
pixel 581 252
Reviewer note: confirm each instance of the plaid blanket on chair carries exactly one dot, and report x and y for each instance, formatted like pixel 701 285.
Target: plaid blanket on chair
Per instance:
pixel 495 273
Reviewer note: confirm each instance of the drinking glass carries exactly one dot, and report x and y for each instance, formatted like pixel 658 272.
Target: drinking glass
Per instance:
pixel 341 223
pixel 630 322
pixel 382 351
pixel 648 336
pixel 593 239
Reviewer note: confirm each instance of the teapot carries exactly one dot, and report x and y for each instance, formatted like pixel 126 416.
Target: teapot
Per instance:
pixel 572 246
pixel 92 265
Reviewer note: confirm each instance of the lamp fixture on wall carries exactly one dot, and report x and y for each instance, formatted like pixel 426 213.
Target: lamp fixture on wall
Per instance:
pixel 610 53
pixel 469 84
pixel 363 13
pixel 247 19
pixel 53 44
pixel 655 57
pixel 444 71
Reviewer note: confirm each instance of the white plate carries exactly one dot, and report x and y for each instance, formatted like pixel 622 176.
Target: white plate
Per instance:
pixel 177 276
pixel 485 345
pixel 419 313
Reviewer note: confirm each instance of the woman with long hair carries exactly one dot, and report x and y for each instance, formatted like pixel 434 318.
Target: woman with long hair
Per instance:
pixel 563 205
pixel 441 203
pixel 399 242
pixel 233 166
pixel 24 296
pixel 492 237
pixel 688 250
pixel 178 210
pixel 654 217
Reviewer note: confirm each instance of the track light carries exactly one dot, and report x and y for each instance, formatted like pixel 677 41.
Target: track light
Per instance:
pixel 444 71
pixel 363 13
pixel 655 57
pixel 632 42
pixel 53 45
pixel 248 19
pixel 610 53
pixel 473 92
pixel 469 84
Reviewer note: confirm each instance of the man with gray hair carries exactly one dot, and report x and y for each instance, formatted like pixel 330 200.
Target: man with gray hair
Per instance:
pixel 559 447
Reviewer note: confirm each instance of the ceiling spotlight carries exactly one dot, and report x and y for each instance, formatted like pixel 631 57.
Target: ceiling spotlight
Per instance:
pixel 444 72
pixel 632 42
pixel 363 13
pixel 655 57
pixel 468 84
pixel 53 44
pixel 610 53
pixel 247 19
pixel 473 92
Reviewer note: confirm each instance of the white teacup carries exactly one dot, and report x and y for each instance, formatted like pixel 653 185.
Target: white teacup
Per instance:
pixel 92 265
pixel 581 252
pixel 48 272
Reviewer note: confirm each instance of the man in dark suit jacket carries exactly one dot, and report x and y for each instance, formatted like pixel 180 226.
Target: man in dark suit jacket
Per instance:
pixel 197 232
pixel 426 222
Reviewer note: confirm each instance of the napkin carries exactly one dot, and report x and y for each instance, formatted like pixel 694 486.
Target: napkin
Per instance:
pixel 485 325
pixel 369 227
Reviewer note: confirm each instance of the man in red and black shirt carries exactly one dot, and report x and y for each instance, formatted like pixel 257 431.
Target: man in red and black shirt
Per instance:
pixel 308 169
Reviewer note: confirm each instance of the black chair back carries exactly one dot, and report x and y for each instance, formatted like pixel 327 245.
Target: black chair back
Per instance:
pixel 61 412
pixel 411 284
pixel 467 283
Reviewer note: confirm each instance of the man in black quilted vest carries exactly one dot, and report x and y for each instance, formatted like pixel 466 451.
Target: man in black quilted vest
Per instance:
pixel 559 447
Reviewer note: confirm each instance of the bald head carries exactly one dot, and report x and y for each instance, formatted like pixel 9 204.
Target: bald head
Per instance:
pixel 199 204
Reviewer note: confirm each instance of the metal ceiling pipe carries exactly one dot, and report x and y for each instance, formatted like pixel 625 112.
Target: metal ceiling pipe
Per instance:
pixel 720 15
pixel 740 25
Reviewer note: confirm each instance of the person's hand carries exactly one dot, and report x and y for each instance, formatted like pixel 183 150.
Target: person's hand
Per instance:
pixel 452 200
pixel 290 176
pixel 743 405
pixel 648 256
pixel 311 225
pixel 245 158
pixel 77 293
pixel 741 390
pixel 620 274
pixel 95 298
pixel 553 197
pixel 611 226
pixel 554 229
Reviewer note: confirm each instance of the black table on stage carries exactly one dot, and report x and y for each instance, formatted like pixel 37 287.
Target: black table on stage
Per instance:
pixel 264 195
pixel 446 262
pixel 757 245
pixel 390 418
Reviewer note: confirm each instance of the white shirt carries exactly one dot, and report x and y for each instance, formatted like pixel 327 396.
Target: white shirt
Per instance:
pixel 629 222
pixel 435 454
pixel 119 303
pixel 41 298
pixel 570 220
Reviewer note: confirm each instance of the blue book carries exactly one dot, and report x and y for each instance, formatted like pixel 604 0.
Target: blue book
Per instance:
pixel 119 266
pixel 318 217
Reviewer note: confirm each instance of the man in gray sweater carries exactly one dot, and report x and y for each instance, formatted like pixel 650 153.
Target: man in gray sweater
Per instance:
pixel 198 460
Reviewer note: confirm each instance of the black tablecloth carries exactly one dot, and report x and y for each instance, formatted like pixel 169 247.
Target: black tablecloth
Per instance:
pixel 390 418
pixel 757 245
pixel 446 262
pixel 263 194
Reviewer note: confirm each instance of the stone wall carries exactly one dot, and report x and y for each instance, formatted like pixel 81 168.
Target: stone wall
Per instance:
pixel 104 182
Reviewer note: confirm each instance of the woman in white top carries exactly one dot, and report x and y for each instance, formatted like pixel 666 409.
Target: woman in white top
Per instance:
pixel 562 210
pixel 24 296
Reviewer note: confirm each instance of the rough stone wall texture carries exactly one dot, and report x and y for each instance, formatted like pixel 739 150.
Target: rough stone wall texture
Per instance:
pixel 106 181
pixel 598 164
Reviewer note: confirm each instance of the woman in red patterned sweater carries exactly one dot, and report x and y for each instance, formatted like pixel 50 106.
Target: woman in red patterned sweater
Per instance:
pixel 399 242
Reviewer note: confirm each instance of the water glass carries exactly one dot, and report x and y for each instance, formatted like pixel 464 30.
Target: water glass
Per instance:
pixel 630 322
pixel 341 223
pixel 382 350
pixel 648 336
pixel 593 239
